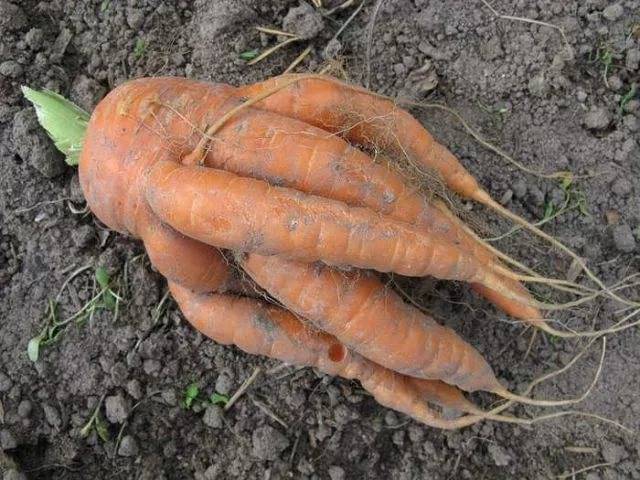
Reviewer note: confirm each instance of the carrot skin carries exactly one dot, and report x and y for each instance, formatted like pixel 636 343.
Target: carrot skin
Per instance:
pixel 291 153
pixel 183 260
pixel 262 329
pixel 364 119
pixel 206 204
pixel 373 320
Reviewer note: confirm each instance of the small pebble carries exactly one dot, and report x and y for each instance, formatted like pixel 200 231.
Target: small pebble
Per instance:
pixel 5 383
pixel 304 21
pixel 116 408
pixel 268 443
pixel 213 416
pixel 128 447
pixel 623 238
pixel 632 60
pixel 224 384
pixel 519 188
pixel 52 415
pixel 336 473
pixel 499 455
pixel 10 69
pixel 621 187
pixel 134 389
pixel 597 118
pixel 135 18
pixel 7 440
pixel 24 408
pixel 538 85
pixel 151 366
pixel 506 197
pixel 612 452
pixel 169 397
pixel 33 38
pixel 613 12
pixel 581 95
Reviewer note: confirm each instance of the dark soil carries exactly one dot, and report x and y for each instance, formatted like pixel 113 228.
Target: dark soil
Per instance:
pixel 553 106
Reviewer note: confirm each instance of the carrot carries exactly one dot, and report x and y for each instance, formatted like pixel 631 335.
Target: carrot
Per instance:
pixel 131 172
pixel 284 152
pixel 369 318
pixel 364 119
pixel 205 204
pixel 262 329
pixel 373 120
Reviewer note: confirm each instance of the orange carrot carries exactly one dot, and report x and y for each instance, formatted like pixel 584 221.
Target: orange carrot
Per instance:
pixel 268 330
pixel 360 311
pixel 365 119
pixel 291 153
pixel 205 203
pixel 183 260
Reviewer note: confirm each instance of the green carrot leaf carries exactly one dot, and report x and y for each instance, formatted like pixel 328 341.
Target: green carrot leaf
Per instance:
pixel 218 398
pixel 64 122
pixel 190 394
pixel 101 428
pixel 33 348
pixel 249 55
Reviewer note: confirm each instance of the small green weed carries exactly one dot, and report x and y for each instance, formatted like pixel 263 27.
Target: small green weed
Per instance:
pixel 96 422
pixel 627 97
pixel 140 48
pixel 105 299
pixel 249 54
pixel 192 394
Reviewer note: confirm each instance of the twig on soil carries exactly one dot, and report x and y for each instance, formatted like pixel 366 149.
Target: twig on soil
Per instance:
pixel 530 346
pixel 342 6
pixel 528 20
pixel 20 211
pixel 243 388
pixel 370 27
pixel 275 31
pixel 574 449
pixel 348 20
pixel 295 448
pixel 269 413
pixel 298 59
pixel 582 470
pixel 273 49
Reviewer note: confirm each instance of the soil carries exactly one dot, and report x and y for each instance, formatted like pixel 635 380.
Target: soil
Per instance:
pixel 554 102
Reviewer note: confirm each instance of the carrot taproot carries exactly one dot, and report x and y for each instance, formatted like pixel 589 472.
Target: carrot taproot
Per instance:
pixel 365 119
pixel 291 153
pixel 371 319
pixel 376 121
pixel 205 203
pixel 262 329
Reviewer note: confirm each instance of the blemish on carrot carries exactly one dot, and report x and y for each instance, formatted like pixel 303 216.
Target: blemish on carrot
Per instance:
pixel 337 352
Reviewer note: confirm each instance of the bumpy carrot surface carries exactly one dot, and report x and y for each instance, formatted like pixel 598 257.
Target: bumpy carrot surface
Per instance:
pixel 366 119
pixel 292 153
pixel 132 173
pixel 263 329
pixel 370 318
